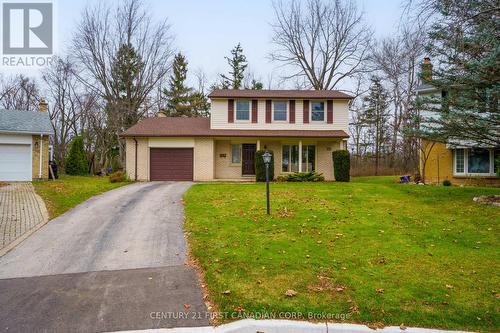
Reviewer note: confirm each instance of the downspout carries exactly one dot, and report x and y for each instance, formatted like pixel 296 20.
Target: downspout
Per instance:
pixel 135 156
pixel 41 158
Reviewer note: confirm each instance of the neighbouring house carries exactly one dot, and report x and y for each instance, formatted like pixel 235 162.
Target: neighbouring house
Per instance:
pixel 301 127
pixel 459 161
pixel 24 144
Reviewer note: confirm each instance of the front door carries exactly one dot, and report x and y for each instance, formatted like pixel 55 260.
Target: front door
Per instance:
pixel 248 158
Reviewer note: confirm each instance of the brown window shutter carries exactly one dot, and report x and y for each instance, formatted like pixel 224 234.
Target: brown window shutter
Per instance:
pixel 292 111
pixel 268 110
pixel 230 110
pixel 306 111
pixel 255 112
pixel 329 111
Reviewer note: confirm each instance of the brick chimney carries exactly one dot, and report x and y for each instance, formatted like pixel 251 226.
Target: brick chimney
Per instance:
pixel 426 70
pixel 43 106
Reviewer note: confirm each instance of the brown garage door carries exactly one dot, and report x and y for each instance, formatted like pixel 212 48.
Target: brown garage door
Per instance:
pixel 171 163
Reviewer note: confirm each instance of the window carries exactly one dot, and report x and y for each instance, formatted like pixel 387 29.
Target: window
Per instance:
pixel 318 111
pixel 236 154
pixel 290 158
pixel 459 161
pixel 242 110
pixel 280 110
pixel 308 158
pixel 479 161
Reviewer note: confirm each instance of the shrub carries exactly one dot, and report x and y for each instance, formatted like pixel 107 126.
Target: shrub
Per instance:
pixel 302 177
pixel 341 165
pixel 446 182
pixel 497 163
pixel 260 166
pixel 76 163
pixel 117 177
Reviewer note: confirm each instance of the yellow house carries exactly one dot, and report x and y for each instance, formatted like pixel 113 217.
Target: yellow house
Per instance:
pixel 460 161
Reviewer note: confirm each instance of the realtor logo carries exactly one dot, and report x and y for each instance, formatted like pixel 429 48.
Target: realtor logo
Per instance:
pixel 27 28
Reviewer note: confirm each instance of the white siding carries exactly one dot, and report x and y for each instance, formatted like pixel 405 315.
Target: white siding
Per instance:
pixel 218 118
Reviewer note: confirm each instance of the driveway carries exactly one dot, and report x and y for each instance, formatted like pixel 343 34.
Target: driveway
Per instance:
pixel 22 211
pixel 104 265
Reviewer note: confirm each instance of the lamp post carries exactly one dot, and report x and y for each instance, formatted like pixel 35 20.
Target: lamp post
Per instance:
pixel 267 159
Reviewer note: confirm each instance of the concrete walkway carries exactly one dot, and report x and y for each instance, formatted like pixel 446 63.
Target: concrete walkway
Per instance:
pixel 22 212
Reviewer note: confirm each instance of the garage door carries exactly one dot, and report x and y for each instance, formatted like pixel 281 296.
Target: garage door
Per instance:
pixel 171 163
pixel 15 162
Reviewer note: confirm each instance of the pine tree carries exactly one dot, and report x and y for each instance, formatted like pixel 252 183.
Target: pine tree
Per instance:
pixel 376 116
pixel 76 163
pixel 465 41
pixel 238 64
pixel 181 100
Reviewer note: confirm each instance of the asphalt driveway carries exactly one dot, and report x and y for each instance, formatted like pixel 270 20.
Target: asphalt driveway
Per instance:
pixel 106 265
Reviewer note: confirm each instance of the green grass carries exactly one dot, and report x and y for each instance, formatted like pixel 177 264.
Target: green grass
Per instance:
pixel 68 191
pixel 432 250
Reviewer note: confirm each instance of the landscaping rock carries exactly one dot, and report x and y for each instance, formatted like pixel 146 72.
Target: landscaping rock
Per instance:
pixel 493 200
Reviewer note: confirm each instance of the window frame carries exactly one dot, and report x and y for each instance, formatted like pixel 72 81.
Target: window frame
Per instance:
pixel 466 164
pixel 236 110
pixel 287 110
pixel 232 153
pixel 311 111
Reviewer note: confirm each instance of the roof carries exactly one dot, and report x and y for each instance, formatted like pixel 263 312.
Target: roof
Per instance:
pixel 297 94
pixel 29 122
pixel 200 127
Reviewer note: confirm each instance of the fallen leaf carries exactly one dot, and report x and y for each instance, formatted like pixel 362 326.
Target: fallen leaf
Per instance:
pixel 449 286
pixel 290 293
pixel 376 325
pixel 380 290
pixel 187 306
pixel 226 292
pixel 402 327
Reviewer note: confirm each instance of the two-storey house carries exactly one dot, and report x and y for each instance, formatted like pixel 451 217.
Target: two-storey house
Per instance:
pixel 301 127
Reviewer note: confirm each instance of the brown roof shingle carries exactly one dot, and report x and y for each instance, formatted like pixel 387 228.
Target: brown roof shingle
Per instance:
pixel 296 94
pixel 200 127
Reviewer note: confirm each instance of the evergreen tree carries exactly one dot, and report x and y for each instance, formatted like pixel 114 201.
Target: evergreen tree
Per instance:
pixel 76 163
pixel 376 117
pixel 466 44
pixel 180 97
pixel 256 85
pixel 238 64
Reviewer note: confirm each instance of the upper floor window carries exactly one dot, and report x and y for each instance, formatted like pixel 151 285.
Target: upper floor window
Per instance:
pixel 317 111
pixel 242 110
pixel 280 110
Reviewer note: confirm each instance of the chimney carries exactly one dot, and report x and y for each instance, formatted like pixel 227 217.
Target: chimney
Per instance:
pixel 43 106
pixel 426 70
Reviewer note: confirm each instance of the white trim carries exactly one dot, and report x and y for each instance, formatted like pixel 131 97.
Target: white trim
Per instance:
pixel 236 111
pixel 41 158
pixel 466 164
pixel 311 111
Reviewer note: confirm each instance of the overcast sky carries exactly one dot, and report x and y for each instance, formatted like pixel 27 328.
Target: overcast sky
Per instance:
pixel 206 30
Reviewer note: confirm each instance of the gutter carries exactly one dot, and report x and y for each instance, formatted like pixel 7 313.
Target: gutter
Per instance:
pixel 135 156
pixel 41 158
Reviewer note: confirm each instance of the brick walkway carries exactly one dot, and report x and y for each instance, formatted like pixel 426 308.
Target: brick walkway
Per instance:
pixel 21 212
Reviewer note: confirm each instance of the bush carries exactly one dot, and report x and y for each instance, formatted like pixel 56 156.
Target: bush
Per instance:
pixel 76 163
pixel 497 162
pixel 446 182
pixel 260 166
pixel 302 177
pixel 341 165
pixel 117 177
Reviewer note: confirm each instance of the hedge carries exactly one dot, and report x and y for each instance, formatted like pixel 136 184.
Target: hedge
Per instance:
pixel 260 166
pixel 341 165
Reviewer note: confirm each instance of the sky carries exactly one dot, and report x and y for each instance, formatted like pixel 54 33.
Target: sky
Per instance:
pixel 206 30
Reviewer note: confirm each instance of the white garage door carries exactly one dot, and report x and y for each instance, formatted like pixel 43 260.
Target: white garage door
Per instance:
pixel 15 162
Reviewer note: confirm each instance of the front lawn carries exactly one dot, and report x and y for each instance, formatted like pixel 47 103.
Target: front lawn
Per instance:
pixel 372 251
pixel 68 191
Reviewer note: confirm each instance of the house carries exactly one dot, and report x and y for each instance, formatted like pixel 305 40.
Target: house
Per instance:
pixel 24 144
pixel 301 127
pixel 459 161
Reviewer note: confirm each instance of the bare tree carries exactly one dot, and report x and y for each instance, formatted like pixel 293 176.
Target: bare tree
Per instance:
pixel 124 57
pixel 322 41
pixel 19 93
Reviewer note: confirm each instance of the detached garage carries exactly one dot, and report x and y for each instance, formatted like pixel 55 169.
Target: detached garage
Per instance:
pixel 24 144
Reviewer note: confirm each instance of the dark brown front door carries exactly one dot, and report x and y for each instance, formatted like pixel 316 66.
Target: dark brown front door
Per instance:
pixel 248 157
pixel 171 164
